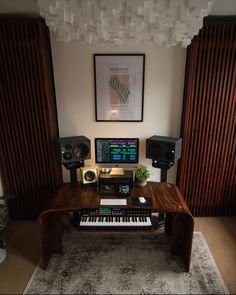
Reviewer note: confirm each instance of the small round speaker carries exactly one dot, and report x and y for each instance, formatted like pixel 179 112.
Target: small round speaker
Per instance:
pixel 89 175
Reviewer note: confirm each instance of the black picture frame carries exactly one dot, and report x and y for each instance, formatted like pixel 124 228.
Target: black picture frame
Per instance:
pixel 119 87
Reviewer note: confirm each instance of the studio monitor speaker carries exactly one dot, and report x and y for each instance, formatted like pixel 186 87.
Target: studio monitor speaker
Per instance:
pixel 89 176
pixel 163 150
pixel 74 149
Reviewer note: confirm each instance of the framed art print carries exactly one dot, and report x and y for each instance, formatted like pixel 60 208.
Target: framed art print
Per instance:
pixel 119 87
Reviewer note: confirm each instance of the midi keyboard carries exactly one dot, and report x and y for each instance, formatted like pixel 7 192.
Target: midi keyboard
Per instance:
pixel 112 218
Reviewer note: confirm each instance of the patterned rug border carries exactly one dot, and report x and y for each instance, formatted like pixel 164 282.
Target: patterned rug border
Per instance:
pixel 195 233
pixel 213 261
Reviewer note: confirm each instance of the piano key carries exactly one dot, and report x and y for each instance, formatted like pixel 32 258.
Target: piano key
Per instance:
pixel 137 219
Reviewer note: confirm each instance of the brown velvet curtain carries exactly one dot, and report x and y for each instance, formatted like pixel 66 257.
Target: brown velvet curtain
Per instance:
pixel 206 174
pixel 28 117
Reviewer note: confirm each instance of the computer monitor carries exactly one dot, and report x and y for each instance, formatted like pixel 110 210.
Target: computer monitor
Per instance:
pixel 117 150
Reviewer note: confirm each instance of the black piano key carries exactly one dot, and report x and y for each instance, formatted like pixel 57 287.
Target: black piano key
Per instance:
pixel 125 217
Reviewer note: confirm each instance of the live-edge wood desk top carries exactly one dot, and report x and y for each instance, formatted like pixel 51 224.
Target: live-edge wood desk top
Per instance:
pixel 166 198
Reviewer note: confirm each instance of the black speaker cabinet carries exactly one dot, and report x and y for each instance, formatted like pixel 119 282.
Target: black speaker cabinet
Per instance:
pixel 74 149
pixel 163 150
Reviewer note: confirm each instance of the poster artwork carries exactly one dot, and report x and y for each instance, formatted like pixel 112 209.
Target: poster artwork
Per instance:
pixel 119 85
pixel 119 89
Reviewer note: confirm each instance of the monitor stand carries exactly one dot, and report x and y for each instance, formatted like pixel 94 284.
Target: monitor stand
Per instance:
pixel 73 170
pixel 117 171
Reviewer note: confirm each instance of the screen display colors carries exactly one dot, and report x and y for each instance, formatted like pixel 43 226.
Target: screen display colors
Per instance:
pixel 116 150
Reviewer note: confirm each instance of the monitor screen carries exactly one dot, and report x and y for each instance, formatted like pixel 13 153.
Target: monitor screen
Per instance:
pixel 117 150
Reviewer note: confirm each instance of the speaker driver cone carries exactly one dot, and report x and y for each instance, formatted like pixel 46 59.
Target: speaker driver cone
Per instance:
pixel 81 150
pixel 67 156
pixel 89 176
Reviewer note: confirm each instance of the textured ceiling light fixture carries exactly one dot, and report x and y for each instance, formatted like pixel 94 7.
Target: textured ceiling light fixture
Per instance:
pixel 163 22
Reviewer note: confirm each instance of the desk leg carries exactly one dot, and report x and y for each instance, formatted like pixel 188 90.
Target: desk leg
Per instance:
pixel 51 229
pixel 168 224
pixel 182 236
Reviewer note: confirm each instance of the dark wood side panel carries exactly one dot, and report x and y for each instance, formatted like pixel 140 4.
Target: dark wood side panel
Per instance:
pixel 28 117
pixel 206 174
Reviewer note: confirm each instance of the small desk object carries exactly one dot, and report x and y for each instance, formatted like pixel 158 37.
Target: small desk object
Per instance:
pixel 166 198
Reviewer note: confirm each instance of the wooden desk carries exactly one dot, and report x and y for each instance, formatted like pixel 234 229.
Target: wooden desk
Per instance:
pixel 166 198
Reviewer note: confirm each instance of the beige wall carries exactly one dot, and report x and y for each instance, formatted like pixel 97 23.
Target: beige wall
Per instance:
pixel 163 92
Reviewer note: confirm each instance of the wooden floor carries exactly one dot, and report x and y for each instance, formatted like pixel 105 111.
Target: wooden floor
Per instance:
pixel 24 251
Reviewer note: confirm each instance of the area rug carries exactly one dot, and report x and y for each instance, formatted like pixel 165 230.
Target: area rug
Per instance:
pixel 126 263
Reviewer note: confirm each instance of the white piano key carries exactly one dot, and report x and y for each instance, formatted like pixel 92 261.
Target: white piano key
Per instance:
pixel 115 221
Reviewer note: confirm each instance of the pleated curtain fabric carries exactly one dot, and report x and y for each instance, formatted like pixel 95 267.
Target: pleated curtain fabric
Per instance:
pixel 29 165
pixel 206 172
